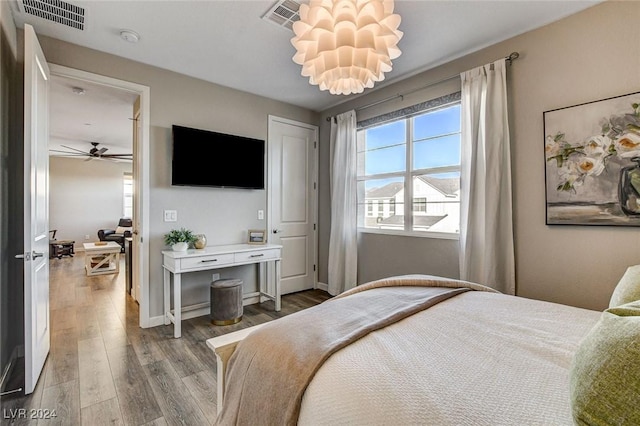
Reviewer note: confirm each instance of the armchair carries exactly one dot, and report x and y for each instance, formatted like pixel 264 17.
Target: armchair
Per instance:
pixel 119 234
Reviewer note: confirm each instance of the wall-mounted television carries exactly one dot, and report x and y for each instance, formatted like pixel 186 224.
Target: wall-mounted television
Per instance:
pixel 205 158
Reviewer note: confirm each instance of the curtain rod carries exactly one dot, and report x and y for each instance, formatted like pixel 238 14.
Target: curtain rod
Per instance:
pixel 510 58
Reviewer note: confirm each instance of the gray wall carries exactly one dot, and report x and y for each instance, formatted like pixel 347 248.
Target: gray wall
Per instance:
pixel 224 215
pixel 588 56
pixel 84 196
pixel 11 294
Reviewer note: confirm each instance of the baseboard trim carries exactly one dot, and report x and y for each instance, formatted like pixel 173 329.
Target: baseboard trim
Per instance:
pixel 322 286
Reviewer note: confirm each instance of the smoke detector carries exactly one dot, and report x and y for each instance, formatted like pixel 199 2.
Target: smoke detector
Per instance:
pixel 130 36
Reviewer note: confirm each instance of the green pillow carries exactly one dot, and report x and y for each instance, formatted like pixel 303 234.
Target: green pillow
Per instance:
pixel 628 289
pixel 605 372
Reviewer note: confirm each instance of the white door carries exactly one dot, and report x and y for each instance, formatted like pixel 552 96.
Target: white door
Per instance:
pixel 36 208
pixel 292 200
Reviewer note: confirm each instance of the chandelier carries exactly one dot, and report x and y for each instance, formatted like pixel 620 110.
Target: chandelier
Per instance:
pixel 345 46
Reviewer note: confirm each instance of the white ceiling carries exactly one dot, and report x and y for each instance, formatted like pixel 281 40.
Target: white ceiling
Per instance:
pixel 102 114
pixel 227 42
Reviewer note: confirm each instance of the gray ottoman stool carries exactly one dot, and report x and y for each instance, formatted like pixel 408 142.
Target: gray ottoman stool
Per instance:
pixel 226 301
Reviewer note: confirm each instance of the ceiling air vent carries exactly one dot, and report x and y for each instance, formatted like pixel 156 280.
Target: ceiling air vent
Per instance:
pixel 283 13
pixel 57 11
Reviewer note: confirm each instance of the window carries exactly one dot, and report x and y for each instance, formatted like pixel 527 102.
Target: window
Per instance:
pixel 420 204
pixel 412 162
pixel 128 195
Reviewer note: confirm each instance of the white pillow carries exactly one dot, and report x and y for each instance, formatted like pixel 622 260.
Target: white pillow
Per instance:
pixel 628 289
pixel 123 229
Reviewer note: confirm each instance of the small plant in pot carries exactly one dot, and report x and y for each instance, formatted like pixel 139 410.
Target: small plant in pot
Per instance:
pixel 179 239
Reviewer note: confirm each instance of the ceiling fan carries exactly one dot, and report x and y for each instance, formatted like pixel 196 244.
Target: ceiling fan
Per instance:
pixel 94 152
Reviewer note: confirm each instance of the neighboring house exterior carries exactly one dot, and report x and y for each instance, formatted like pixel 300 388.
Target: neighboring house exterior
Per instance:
pixel 436 205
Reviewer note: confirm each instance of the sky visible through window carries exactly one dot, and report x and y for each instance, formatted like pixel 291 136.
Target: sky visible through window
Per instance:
pixel 436 137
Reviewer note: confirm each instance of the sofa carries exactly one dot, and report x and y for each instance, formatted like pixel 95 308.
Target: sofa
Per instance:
pixel 122 231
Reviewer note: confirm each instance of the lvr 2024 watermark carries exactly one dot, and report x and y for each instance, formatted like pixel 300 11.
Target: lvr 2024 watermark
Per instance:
pixel 23 413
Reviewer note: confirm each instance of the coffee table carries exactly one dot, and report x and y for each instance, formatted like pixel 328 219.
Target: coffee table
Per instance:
pixel 100 259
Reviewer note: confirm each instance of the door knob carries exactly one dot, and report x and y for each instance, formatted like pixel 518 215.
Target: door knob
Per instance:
pixel 36 255
pixel 25 256
pixel 277 231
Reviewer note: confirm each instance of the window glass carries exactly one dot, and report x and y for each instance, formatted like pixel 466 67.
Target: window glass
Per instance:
pixel 420 154
pixel 438 152
pixel 384 199
pixel 386 135
pixel 438 207
pixel 385 160
pixel 127 191
pixel 440 122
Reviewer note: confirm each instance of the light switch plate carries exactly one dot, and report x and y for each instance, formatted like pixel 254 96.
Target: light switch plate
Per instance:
pixel 260 214
pixel 170 215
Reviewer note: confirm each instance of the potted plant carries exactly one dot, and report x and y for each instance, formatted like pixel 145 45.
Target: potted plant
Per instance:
pixel 179 239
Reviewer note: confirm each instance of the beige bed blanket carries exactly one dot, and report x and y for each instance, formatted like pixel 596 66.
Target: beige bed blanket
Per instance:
pixel 271 368
pixel 476 359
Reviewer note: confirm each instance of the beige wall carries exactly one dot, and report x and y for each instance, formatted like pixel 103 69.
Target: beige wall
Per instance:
pixel 6 21
pixel 84 196
pixel 588 56
pixel 224 215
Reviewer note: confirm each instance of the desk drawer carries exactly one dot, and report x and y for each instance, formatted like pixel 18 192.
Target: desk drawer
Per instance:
pixel 257 255
pixel 204 262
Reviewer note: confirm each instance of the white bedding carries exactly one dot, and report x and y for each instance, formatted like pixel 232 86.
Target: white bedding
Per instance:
pixel 476 359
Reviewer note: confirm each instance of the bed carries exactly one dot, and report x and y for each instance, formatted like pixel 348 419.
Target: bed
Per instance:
pixel 471 357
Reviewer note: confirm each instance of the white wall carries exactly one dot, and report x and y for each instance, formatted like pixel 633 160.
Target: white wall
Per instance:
pixel 592 55
pixel 84 196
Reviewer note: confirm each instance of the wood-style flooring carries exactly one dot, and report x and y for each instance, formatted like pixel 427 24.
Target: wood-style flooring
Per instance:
pixel 104 369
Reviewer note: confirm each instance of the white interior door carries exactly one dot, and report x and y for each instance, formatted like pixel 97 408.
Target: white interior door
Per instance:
pixel 292 200
pixel 36 208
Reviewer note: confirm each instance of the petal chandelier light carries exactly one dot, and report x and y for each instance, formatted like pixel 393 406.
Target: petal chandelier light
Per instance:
pixel 345 46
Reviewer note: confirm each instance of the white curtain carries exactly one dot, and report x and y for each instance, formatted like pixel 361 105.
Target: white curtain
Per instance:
pixel 343 244
pixel 486 224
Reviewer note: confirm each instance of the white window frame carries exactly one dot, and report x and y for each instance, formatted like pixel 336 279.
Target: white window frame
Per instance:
pixel 127 177
pixel 408 175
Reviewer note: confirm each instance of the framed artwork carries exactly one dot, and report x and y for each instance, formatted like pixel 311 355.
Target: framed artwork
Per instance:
pixel 592 158
pixel 257 236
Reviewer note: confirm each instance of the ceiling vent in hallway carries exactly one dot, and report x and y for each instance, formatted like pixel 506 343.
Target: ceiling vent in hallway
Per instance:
pixel 57 11
pixel 283 13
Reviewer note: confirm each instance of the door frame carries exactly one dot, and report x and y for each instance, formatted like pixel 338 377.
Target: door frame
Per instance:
pixel 314 198
pixel 141 182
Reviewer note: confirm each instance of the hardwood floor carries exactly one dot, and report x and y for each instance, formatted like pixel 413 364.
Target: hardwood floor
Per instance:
pixel 104 369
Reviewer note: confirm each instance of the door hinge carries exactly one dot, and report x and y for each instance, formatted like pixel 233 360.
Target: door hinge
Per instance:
pixel 314 185
pixel 314 267
pixel 315 144
pixel 314 226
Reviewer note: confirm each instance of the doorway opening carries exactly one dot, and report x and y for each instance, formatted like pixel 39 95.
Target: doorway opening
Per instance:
pixel 111 153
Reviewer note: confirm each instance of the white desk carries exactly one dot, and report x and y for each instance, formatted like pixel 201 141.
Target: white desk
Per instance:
pixel 215 257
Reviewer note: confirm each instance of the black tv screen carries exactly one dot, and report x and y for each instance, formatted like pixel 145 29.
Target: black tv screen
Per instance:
pixel 204 158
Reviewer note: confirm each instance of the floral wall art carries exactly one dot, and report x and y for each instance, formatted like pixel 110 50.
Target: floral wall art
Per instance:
pixel 592 155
